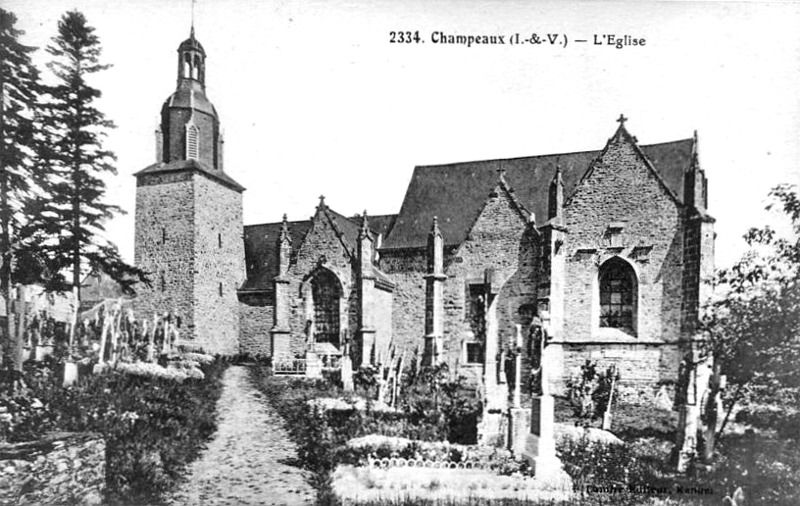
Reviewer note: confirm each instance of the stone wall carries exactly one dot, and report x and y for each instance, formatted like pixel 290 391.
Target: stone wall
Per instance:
pixel 219 265
pixel 63 468
pixel 643 368
pixel 407 268
pixel 164 245
pixel 189 237
pixel 255 322
pixel 622 210
pixel 383 320
pixel 500 240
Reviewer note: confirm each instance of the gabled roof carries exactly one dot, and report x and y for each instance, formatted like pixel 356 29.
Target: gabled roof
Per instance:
pixel 261 250
pixel 188 165
pixel 455 193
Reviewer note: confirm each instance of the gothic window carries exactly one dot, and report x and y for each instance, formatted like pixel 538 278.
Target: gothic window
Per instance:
pixel 191 141
pixel 163 235
pixel 219 239
pixel 220 289
pixel 326 293
pixel 617 295
pixel 163 283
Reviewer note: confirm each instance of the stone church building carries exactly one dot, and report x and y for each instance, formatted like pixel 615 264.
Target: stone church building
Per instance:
pixel 603 251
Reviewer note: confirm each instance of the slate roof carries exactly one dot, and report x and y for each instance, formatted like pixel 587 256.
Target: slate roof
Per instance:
pixel 182 165
pixel 455 193
pixel 378 224
pixel 190 95
pixel 261 252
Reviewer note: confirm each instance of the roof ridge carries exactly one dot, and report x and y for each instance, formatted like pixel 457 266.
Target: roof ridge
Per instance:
pixel 515 158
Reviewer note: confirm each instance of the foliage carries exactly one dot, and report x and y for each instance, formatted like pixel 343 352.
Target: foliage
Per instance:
pixel 319 434
pixel 753 329
pixel 768 470
pixel 358 451
pixel 19 106
pixel 152 427
pixel 590 462
pixel 591 391
pixel 76 161
pixel 365 379
pixel 433 399
pixel 783 419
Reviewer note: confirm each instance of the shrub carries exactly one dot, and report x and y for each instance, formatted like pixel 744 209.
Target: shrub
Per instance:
pixel 784 420
pixel 589 462
pixel 153 427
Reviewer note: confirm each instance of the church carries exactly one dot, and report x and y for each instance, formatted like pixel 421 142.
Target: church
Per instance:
pixel 601 251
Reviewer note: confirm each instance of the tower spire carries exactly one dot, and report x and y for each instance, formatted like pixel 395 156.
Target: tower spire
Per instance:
pixel 191 32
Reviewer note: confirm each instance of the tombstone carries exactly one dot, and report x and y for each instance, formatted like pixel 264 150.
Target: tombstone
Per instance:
pixel 41 351
pixel 493 427
pixel 663 400
pixel 688 411
pixel 70 373
pixel 540 446
pixel 347 373
pixel 313 365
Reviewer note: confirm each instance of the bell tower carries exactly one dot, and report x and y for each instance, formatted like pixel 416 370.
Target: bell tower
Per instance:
pixel 189 127
pixel 189 216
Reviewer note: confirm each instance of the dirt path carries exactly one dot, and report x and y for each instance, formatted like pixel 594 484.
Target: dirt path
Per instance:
pixel 247 462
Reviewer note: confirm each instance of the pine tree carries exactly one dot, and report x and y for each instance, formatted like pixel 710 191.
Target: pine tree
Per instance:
pixel 77 161
pixel 19 92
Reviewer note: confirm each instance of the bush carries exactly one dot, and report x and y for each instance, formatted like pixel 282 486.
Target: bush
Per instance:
pixel 153 427
pixel 784 420
pixel 588 462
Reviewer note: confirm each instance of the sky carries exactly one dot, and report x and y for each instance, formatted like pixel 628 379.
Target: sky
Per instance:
pixel 314 98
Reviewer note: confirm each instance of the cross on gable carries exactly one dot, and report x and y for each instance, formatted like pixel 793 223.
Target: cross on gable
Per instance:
pixel 621 120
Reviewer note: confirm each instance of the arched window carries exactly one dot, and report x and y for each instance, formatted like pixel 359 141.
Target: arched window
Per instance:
pixel 163 283
pixel 220 289
pixel 326 292
pixel 196 70
pixel 219 239
pixel 617 295
pixel 187 65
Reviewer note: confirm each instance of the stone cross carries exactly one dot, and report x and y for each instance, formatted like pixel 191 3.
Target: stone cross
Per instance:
pixel 621 120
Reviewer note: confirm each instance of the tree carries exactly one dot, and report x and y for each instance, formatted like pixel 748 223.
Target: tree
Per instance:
pixel 19 96
pixel 754 329
pixel 77 162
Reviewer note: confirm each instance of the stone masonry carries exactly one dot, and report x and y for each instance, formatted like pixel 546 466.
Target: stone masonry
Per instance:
pixel 61 468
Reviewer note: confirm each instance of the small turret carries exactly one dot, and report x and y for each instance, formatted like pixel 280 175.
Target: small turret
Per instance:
pixel 191 60
pixel 284 245
pixel 555 205
pixel 695 184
